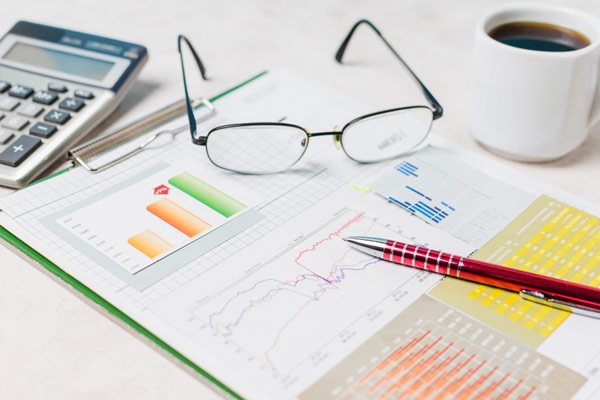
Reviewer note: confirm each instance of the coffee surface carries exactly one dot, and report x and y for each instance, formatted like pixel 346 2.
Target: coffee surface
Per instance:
pixel 539 36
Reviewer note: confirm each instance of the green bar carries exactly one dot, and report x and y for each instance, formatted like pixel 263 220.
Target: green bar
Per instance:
pixel 207 194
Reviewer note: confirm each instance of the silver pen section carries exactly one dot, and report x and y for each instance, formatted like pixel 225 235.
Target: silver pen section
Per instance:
pixel 369 245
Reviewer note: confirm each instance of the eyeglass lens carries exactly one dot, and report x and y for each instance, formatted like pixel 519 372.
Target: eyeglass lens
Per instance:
pixel 256 149
pixel 386 135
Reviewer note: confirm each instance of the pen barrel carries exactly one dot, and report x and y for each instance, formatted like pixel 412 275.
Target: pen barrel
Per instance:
pixel 490 274
pixel 422 258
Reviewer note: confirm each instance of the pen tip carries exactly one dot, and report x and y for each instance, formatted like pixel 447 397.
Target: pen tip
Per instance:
pixel 345 239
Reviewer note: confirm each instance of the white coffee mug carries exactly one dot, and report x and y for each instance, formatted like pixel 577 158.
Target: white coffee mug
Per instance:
pixel 533 105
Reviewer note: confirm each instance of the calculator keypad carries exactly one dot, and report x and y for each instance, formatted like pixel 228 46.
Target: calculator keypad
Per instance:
pixel 22 106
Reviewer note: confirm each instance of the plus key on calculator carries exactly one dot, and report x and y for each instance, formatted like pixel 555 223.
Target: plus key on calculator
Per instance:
pixel 56 85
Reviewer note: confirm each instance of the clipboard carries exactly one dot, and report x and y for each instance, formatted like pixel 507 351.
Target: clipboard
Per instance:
pixel 80 157
pixel 325 195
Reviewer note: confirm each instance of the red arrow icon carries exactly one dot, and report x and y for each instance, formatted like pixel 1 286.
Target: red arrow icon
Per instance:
pixel 162 189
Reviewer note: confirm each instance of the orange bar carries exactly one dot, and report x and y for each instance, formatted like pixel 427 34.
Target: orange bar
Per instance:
pixel 149 243
pixel 178 217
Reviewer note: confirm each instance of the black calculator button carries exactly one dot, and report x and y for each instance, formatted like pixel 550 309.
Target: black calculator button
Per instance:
pixel 83 94
pixel 5 136
pixel 57 87
pixel 71 104
pixel 45 97
pixel 56 116
pixel 20 91
pixel 4 86
pixel 43 130
pixel 19 150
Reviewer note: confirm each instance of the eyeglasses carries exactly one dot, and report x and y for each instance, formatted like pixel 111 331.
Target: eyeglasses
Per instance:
pixel 270 147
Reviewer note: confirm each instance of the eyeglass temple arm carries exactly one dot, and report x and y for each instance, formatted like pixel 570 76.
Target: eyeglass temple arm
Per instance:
pixel 188 103
pixel 438 111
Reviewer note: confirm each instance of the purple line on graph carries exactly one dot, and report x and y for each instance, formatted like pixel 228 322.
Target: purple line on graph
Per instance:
pixel 338 274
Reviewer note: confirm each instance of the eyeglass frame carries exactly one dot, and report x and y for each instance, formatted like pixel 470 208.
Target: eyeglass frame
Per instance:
pixel 435 107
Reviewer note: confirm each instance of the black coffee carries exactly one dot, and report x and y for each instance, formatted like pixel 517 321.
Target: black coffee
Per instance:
pixel 539 36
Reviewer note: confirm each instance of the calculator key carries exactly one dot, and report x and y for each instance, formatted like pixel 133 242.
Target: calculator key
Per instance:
pixel 19 150
pixel 14 122
pixel 71 104
pixel 83 94
pixel 30 109
pixel 43 130
pixel 4 86
pixel 20 91
pixel 56 116
pixel 8 104
pixel 57 87
pixel 45 97
pixel 5 136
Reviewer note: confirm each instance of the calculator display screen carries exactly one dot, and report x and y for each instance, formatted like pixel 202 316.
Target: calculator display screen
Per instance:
pixel 61 61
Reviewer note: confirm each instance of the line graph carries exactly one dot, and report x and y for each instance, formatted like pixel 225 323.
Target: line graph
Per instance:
pixel 283 310
pixel 431 351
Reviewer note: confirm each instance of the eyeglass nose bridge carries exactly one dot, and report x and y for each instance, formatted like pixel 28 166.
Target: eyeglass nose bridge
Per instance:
pixel 335 133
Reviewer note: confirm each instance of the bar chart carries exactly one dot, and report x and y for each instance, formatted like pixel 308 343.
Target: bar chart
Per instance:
pixel 431 351
pixel 165 212
pixel 447 193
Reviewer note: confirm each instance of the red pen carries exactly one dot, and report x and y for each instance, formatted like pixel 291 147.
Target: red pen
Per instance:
pixel 558 293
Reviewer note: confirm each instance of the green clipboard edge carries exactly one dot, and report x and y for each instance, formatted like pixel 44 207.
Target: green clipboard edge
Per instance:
pixel 52 268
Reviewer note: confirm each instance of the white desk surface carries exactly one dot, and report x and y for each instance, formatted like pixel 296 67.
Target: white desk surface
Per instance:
pixel 52 344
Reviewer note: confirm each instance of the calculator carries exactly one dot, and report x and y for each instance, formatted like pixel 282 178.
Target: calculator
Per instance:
pixel 56 85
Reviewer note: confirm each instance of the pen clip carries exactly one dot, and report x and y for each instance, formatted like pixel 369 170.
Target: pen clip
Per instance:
pixel 542 298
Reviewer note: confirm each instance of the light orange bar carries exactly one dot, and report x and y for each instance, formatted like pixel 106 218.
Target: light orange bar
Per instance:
pixel 149 243
pixel 178 217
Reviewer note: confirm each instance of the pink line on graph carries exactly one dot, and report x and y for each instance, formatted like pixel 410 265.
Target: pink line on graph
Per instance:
pixel 313 248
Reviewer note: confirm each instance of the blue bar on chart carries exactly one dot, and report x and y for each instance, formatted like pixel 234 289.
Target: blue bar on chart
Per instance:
pixel 415 188
pixel 407 169
pixel 427 210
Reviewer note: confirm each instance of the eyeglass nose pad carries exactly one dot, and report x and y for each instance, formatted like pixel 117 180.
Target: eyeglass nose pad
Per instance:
pixel 336 138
